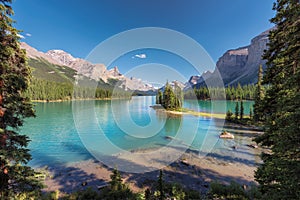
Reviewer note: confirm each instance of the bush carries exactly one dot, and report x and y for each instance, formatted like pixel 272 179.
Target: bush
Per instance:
pixel 233 191
pixel 229 115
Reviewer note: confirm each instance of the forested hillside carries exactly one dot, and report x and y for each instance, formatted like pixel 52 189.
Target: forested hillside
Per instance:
pixel 246 92
pixel 54 82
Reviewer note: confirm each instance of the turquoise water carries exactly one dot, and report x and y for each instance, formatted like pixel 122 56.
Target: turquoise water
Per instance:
pixel 62 130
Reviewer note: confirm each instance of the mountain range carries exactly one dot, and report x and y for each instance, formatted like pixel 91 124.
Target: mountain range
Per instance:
pixel 54 64
pixel 235 66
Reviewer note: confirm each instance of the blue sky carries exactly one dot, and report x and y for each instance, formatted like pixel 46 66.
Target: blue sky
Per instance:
pixel 79 26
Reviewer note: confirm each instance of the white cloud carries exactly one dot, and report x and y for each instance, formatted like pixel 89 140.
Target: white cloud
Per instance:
pixel 21 36
pixel 28 34
pixel 142 56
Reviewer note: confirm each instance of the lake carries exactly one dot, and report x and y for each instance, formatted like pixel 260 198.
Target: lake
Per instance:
pixel 65 132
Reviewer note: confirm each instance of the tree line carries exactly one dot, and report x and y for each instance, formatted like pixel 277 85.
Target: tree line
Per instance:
pixel 277 108
pixel 170 99
pixel 246 92
pixel 49 90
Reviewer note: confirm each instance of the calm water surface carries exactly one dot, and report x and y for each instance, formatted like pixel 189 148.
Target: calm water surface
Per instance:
pixel 128 124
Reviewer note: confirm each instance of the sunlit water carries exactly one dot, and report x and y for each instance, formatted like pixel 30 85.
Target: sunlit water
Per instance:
pixel 129 125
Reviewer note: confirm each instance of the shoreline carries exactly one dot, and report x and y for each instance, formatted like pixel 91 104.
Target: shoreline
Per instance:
pixel 192 170
pixel 189 112
pixel 70 100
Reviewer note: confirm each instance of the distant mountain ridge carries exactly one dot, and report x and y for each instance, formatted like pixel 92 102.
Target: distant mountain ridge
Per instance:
pixel 82 67
pixel 237 65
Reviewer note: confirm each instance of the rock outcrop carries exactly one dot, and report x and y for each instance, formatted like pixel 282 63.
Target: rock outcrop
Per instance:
pixel 226 135
pixel 255 52
pixel 238 65
pixel 232 64
pixel 88 69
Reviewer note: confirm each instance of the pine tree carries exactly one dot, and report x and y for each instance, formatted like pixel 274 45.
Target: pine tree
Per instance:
pixel 239 92
pixel 116 180
pixel 259 95
pixel 236 116
pixel 147 194
pixel 279 175
pixel 15 176
pixel 160 183
pixel 170 100
pixel 242 110
pixel 229 115
pixel 250 113
pixel 159 97
pixel 178 97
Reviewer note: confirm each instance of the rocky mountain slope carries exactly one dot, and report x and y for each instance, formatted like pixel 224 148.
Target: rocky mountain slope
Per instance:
pixel 238 65
pixel 80 66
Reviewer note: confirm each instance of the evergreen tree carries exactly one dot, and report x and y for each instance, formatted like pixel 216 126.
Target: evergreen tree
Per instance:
pixel 159 97
pixel 250 113
pixel 116 180
pixel 229 115
pixel 279 175
pixel 178 97
pixel 147 194
pixel 239 91
pixel 242 110
pixel 15 176
pixel 236 111
pixel 172 100
pixel 167 96
pixel 160 183
pixel 259 95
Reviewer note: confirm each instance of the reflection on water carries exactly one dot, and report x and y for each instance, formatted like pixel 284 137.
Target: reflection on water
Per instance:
pixel 127 124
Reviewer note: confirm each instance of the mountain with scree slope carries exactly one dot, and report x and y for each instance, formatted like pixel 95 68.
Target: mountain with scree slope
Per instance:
pixel 238 65
pixel 53 64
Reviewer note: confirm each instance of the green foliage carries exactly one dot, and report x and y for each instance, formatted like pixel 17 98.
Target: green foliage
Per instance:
pixel 171 100
pixel 88 194
pixel 232 191
pixel 160 186
pixel 159 97
pixel 54 82
pixel 49 196
pixel 116 180
pixel 245 92
pixel 279 176
pixel 236 113
pixel 251 113
pixel 15 177
pixel 42 69
pixel 259 95
pixel 148 194
pixel 163 190
pixel 229 115
pixel 242 111
pixel 117 190
pixel 47 90
pixel 178 101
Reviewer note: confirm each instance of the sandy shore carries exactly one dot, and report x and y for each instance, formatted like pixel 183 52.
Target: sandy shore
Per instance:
pixel 159 109
pixel 190 170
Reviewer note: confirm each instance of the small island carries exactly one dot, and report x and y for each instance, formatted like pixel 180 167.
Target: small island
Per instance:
pixel 170 100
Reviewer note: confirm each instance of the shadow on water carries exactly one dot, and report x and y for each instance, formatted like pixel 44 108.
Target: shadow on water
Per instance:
pixel 230 159
pixel 70 178
pixel 224 158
